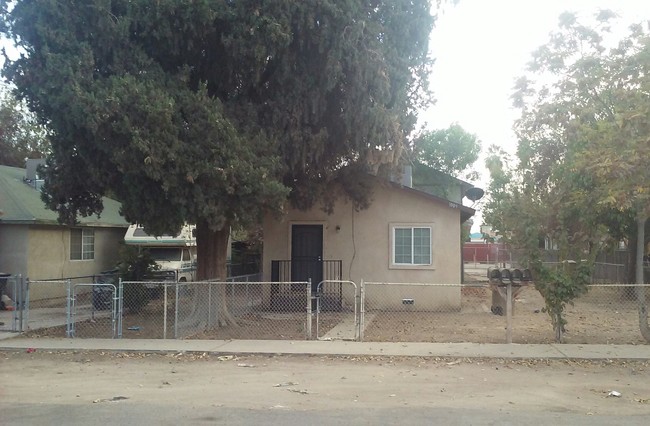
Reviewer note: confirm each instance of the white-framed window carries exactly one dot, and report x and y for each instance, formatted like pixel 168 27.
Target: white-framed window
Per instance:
pixel 411 245
pixel 82 244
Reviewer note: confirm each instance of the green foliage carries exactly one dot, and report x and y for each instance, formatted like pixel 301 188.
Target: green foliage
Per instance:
pixel 451 151
pixel 21 136
pixel 582 139
pixel 215 112
pixel 582 176
pixel 135 265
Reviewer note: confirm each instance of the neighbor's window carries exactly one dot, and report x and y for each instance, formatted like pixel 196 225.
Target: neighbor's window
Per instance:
pixel 82 244
pixel 411 246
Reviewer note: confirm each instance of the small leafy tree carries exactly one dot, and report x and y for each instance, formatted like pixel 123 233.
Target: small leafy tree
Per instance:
pixel 451 151
pixel 583 141
pixel 559 287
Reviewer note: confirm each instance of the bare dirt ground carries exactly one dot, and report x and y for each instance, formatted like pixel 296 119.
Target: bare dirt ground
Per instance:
pixel 602 316
pixel 36 386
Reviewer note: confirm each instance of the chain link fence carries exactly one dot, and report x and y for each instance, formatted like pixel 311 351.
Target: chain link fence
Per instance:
pixel 74 307
pixel 12 296
pixel 233 309
pixel 46 307
pixel 336 306
pixel 370 311
pixel 416 312
pixel 422 312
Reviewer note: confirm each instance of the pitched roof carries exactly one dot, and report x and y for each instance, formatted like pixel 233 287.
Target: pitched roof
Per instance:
pixel 20 203
pixel 465 212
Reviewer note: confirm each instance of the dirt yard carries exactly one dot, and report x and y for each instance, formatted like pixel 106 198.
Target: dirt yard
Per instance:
pixel 602 316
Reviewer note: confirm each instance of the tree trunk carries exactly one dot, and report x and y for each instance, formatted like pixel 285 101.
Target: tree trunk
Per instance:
pixel 212 256
pixel 640 290
pixel 558 328
pixel 632 250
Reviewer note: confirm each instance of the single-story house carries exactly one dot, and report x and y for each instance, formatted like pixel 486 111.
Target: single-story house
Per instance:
pixel 405 236
pixel 35 245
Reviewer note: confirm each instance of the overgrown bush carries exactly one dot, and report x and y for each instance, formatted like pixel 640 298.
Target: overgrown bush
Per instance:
pixel 135 265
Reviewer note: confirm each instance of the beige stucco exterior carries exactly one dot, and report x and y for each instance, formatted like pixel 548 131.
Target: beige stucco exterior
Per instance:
pixel 363 241
pixel 41 252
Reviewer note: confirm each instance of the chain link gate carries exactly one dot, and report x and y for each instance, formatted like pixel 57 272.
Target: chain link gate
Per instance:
pixel 93 310
pixel 13 294
pixel 339 318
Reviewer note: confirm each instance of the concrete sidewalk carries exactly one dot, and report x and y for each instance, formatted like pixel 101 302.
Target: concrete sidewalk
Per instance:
pixel 336 348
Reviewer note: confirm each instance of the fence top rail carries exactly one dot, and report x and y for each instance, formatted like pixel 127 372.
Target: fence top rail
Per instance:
pixel 76 278
pixel 335 282
pixel 94 285
pixel 48 281
pixel 595 263
pixel 617 285
pixel 173 283
pixel 608 264
pixel 421 284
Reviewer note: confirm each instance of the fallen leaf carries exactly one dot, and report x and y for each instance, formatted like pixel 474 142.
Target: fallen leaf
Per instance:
pixel 225 358
pixel 281 385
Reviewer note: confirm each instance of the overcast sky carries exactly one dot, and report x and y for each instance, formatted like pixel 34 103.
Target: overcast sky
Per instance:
pixel 482 46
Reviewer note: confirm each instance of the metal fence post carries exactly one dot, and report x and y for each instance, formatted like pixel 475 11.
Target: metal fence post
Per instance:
pixel 362 308
pixel 309 309
pixel 17 316
pixel 68 310
pixel 24 319
pixel 509 313
pixel 165 304
pixel 210 322
pixel 120 306
pixel 176 312
pixel 357 315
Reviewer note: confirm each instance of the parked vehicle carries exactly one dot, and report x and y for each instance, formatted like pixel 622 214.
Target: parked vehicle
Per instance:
pixel 174 255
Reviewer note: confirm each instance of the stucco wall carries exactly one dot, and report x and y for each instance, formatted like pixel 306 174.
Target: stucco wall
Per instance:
pixel 362 240
pixel 13 249
pixel 49 252
pixel 49 257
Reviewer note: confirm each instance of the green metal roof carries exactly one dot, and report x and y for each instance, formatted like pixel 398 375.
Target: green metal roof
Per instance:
pixel 21 203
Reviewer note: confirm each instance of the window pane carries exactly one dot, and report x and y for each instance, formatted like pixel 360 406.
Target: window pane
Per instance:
pixel 82 244
pixel 75 244
pixel 422 246
pixel 403 241
pixel 88 246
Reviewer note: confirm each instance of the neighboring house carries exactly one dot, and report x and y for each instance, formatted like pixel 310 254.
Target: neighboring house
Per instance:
pixel 405 236
pixel 35 245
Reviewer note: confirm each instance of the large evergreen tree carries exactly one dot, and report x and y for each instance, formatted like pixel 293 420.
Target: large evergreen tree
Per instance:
pixel 213 111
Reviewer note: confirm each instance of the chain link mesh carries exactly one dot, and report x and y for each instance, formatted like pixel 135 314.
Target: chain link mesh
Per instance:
pixel 216 310
pixel 392 312
pixel 398 312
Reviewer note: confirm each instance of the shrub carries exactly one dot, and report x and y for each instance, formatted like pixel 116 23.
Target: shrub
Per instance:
pixel 135 265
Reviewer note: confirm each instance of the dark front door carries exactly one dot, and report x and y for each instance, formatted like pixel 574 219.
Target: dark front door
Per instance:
pixel 307 254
